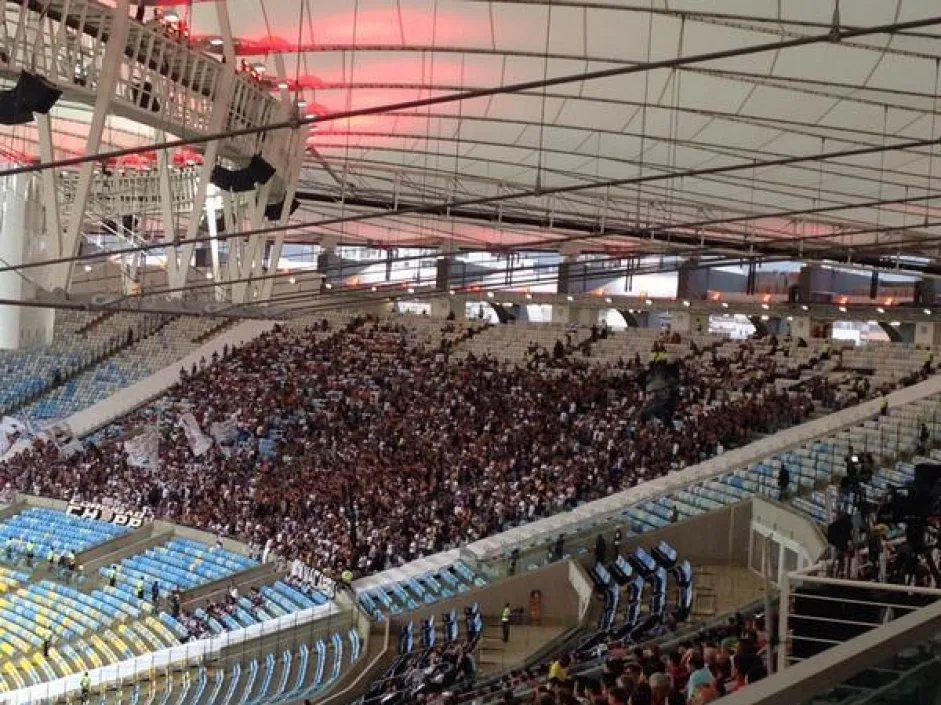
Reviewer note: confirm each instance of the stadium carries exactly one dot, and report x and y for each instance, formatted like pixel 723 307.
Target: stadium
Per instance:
pixel 469 352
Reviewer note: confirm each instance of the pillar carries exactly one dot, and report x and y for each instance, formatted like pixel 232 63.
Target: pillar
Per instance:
pixel 328 264
pixel 806 327
pixel 686 322
pixel 927 334
pixel 20 209
pixel 444 306
pixel 570 313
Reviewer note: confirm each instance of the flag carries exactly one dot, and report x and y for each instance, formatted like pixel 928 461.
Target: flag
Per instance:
pixel 224 432
pixel 143 451
pixel 199 441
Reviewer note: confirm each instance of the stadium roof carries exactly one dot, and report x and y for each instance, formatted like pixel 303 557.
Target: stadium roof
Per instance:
pixel 694 156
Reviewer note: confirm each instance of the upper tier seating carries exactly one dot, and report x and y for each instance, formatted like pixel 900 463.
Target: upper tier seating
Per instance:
pixel 169 343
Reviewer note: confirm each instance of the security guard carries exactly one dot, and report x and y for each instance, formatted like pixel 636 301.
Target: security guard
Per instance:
pixel 346 577
pixel 113 575
pixel 883 406
pixel 11 542
pixel 30 552
pixel 85 684
pixel 139 590
pixel 51 557
pixel 505 622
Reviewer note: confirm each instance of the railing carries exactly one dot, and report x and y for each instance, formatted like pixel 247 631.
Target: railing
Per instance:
pixel 903 654
pixel 160 77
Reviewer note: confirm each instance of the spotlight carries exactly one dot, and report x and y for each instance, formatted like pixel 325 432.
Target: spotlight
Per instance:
pixel 649 302
pixel 87 267
pixel 725 304
pixel 790 318
pixel 283 85
pixel 373 288
pixel 328 285
pixel 216 42
pixel 171 16
pixel 302 103
pixel 686 303
pixel 411 290
pixel 872 323
pixel 880 310
pixel 208 275
pixel 569 298
pixel 292 280
pixel 607 299
pixel 927 311
pixel 895 323
pixel 451 292
pixel 765 306
pixel 489 294
pixel 804 307
pixel 765 317
pixel 529 296
pixel 259 67
pixel 842 309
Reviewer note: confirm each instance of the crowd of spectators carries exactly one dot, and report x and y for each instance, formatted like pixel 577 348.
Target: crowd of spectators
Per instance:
pixel 714 663
pixel 358 447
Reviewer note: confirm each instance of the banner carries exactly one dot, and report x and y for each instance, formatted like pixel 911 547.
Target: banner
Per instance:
pixel 11 430
pixel 112 515
pixel 143 451
pixel 199 441
pixel 224 432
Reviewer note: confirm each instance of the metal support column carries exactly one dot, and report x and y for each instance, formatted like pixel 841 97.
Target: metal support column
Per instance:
pixel 107 81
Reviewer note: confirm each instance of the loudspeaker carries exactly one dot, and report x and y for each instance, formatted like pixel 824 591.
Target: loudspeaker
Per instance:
pixel 32 94
pixel 240 180
pixel 273 210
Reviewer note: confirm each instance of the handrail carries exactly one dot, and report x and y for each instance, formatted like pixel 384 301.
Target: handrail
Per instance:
pixel 191 653
pixel 802 681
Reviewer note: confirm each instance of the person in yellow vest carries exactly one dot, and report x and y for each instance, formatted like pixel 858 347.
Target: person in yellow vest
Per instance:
pixel 505 622
pixel 929 361
pixel 85 685
pixel 346 579
pixel 139 589
pixel 113 575
pixel 51 557
pixel 30 552
pixel 883 406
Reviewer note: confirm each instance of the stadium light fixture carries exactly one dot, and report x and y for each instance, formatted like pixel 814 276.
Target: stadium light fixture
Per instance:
pixel 872 323
pixel 171 16
pixel 765 307
pixel 208 275
pixel 880 310
pixel 328 285
pixel 765 317
pixel 489 294
pixel 725 304
pixel 569 298
pixel 805 307
pixel 292 280
pixel 529 296
pixel 927 311
pixel 686 304
pixel 895 323
pixel 451 292
pixel 607 299
pixel 216 42
pixel 649 302
pixel 790 318
pixel 87 267
pixel 411 290
pixel 842 309
pixel 283 85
